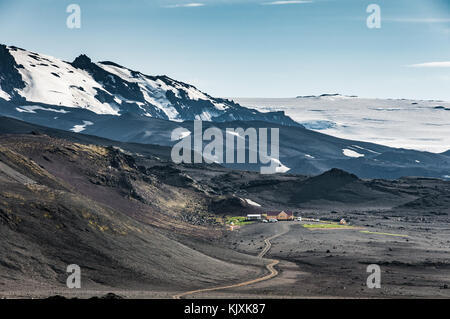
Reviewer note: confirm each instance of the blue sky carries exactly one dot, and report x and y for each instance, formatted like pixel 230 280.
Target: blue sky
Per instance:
pixel 252 48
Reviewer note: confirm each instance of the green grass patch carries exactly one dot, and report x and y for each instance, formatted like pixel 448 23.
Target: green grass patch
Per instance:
pixel 323 225
pixel 238 221
pixel 329 222
pixel 387 234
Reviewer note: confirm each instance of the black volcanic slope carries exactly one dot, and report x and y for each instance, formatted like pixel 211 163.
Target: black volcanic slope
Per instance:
pixel 67 203
pixel 13 126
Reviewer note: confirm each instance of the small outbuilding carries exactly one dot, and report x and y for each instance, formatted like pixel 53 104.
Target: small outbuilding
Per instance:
pixel 254 217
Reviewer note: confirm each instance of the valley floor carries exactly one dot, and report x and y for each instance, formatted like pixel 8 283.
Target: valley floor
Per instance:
pixel 331 263
pixel 320 263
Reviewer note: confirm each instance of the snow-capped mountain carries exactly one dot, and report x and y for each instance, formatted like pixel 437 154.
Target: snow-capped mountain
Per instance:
pixel 110 89
pixel 107 100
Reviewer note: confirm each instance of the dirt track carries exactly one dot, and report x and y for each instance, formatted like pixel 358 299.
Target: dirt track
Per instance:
pixel 270 267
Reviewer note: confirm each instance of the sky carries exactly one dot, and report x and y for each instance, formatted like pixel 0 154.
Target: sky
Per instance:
pixel 252 48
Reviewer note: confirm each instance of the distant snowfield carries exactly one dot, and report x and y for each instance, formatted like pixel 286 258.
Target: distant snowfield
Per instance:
pixel 411 124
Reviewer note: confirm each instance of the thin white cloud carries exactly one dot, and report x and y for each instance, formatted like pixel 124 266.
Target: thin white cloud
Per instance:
pixel 282 2
pixel 418 20
pixel 186 5
pixel 444 64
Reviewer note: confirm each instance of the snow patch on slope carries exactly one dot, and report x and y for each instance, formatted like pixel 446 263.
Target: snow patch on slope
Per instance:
pixel 81 127
pixel 33 108
pixel 250 202
pixel 182 134
pixel 51 81
pixel 154 90
pixel 281 167
pixel 366 149
pixel 349 153
pixel 4 95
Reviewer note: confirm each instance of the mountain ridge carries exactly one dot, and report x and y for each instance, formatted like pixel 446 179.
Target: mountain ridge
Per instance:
pixel 109 88
pixel 302 151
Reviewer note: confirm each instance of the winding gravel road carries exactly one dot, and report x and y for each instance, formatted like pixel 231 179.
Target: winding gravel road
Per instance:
pixel 270 267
